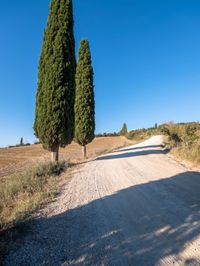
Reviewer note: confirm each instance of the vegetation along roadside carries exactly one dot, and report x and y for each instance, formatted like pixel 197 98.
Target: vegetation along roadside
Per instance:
pixel 182 139
pixel 23 193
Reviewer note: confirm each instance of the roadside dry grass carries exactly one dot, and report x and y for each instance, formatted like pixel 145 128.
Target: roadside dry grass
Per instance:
pixel 23 193
pixel 28 181
pixel 184 142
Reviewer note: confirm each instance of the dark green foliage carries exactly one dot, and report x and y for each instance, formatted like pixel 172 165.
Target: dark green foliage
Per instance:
pixel 175 138
pixel 124 130
pixel 54 115
pixel 84 103
pixel 21 142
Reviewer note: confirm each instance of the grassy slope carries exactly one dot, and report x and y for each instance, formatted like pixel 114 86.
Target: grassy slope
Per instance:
pixel 183 139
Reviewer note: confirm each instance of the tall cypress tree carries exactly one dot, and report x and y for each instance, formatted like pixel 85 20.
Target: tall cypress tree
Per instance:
pixel 124 130
pixel 84 102
pixel 54 115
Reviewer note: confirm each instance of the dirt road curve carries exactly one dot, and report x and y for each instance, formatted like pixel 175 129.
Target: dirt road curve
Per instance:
pixel 132 207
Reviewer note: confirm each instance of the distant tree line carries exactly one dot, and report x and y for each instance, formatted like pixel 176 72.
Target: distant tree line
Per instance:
pixel 114 134
pixel 21 144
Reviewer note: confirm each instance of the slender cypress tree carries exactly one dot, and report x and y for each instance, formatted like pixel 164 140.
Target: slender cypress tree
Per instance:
pixel 84 102
pixel 54 115
pixel 21 141
pixel 124 130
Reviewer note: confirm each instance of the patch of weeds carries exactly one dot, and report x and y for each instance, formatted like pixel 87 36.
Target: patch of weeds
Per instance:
pixel 23 193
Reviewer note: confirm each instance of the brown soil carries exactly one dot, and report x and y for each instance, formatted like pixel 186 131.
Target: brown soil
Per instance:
pixel 17 159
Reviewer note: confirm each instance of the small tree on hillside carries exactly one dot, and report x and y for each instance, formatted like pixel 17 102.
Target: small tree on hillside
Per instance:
pixel 54 115
pixel 124 130
pixel 21 142
pixel 84 102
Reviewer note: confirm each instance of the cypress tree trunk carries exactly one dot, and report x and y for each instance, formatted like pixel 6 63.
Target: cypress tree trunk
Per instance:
pixel 54 154
pixel 84 150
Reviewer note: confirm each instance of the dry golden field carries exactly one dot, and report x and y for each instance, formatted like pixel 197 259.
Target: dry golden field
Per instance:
pixel 16 159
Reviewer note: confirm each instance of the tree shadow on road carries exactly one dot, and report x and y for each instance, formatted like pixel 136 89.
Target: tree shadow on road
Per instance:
pixel 140 148
pixel 140 225
pixel 121 155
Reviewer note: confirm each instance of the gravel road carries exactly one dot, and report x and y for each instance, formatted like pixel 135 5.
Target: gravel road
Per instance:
pixel 135 206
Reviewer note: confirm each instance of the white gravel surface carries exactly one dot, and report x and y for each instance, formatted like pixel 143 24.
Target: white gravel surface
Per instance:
pixel 135 206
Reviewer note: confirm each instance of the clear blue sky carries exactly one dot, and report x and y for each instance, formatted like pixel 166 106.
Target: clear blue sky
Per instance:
pixel 146 58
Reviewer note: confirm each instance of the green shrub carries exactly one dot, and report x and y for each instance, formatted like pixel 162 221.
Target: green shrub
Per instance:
pixel 185 137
